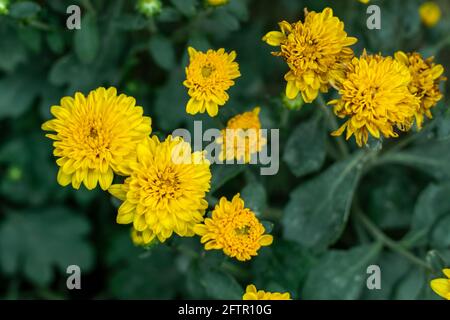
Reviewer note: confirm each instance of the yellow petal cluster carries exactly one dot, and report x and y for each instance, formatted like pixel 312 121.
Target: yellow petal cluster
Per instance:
pixel 251 293
pixel 208 77
pixel 442 286
pixel 426 76
pixel 165 192
pixel 242 137
pixel 234 229
pixel 375 98
pixel 94 136
pixel 315 51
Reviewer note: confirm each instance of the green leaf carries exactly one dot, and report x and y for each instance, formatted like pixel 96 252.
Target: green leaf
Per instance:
pixel 162 52
pixel 131 22
pixel 411 285
pixel 18 91
pixel 87 40
pixel 220 285
pixel 34 243
pixel 24 9
pixel 305 149
pixel 136 273
pixel 170 102
pixel 31 38
pixel 255 197
pixel 431 206
pixel 222 173
pixel 317 211
pixel 340 275
pixel 186 7
pixel 12 50
pixel 440 235
pixel 391 196
pixel 432 157
pixel 63 70
pixel 55 41
pixel 393 269
pixel 282 267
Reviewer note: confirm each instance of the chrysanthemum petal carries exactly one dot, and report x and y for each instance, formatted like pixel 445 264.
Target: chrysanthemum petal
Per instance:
pixel 274 38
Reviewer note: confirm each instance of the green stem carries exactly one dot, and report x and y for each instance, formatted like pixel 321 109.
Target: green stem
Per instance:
pixel 333 124
pixel 388 242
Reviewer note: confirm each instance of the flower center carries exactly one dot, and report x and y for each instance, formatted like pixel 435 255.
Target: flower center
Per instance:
pixel 207 71
pixel 242 231
pixel 93 133
pixel 166 184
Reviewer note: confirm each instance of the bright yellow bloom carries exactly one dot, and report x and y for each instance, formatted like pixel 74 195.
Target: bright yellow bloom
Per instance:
pixel 216 3
pixel 95 135
pixel 430 13
pixel 375 98
pixel 442 286
pixel 364 1
pixel 233 229
pixel 251 293
pixel 242 137
pixel 208 76
pixel 315 51
pixel 165 192
pixel 426 76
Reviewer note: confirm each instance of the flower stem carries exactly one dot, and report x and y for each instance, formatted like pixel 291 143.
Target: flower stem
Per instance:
pixel 333 124
pixel 388 242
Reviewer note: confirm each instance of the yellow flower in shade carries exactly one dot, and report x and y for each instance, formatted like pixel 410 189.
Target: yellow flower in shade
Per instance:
pixel 442 286
pixel 375 98
pixel 208 76
pixel 430 13
pixel 165 192
pixel 315 51
pixel 95 135
pixel 233 229
pixel 216 3
pixel 426 76
pixel 251 293
pixel 364 1
pixel 242 137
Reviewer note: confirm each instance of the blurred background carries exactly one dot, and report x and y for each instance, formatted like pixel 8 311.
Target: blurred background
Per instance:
pixel 140 48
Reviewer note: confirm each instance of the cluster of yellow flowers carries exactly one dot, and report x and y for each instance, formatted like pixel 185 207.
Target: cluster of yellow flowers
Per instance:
pixel 165 183
pixel 105 134
pixel 377 94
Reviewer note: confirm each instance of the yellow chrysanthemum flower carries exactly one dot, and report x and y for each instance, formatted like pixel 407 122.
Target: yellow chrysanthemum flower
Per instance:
pixel 426 76
pixel 242 137
pixel 251 293
pixel 95 135
pixel 208 76
pixel 233 229
pixel 364 1
pixel 442 286
pixel 430 13
pixel 315 51
pixel 375 96
pixel 216 3
pixel 166 190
